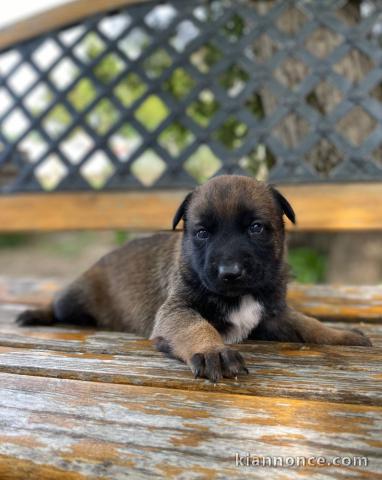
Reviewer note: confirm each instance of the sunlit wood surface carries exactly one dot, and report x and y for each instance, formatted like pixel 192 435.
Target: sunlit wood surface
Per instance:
pixel 84 404
pixel 323 207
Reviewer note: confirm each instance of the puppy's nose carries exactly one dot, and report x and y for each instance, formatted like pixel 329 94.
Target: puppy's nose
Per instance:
pixel 230 272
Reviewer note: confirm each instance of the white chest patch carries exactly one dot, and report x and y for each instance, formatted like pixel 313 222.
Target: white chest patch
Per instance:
pixel 243 319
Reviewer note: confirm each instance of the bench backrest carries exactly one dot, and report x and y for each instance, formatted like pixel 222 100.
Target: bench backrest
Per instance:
pixel 112 111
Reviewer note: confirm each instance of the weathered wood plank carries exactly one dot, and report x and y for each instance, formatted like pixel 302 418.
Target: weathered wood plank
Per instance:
pixel 60 16
pixel 338 302
pixel 142 211
pixel 276 369
pixel 54 429
pixel 67 338
pixel 328 207
pixel 302 371
pixel 89 341
pixel 330 302
pixel 30 291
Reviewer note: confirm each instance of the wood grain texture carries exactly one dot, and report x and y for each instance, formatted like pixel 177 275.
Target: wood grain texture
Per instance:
pixel 58 17
pixel 276 369
pixel 68 338
pixel 29 291
pixel 86 404
pixel 329 207
pixel 328 302
pixel 338 302
pixel 83 211
pixel 52 428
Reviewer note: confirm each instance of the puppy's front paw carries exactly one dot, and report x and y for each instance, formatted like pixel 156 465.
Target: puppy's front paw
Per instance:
pixel 217 363
pixel 356 338
pixel 362 338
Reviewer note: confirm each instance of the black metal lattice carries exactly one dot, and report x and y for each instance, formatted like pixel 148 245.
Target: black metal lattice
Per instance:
pixel 168 95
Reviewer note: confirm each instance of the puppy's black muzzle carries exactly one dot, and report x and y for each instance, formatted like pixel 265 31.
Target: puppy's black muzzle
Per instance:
pixel 230 272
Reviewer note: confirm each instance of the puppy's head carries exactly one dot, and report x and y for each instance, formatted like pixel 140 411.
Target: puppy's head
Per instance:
pixel 234 233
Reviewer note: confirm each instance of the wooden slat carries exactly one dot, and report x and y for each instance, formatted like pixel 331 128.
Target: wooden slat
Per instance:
pixel 334 207
pixel 68 338
pixel 57 17
pixel 338 302
pixel 328 302
pixel 281 369
pixel 82 211
pixel 276 369
pixel 29 291
pixel 318 207
pixel 63 429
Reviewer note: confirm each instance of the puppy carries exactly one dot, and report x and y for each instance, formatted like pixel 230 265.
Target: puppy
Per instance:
pixel 221 280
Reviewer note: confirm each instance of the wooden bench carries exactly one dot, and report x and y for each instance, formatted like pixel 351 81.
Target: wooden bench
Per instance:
pixel 78 404
pixel 93 404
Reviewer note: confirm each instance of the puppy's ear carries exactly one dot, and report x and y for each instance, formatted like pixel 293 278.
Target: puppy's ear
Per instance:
pixel 181 212
pixel 284 205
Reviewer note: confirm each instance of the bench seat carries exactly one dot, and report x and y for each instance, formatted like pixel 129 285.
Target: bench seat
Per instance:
pixel 81 404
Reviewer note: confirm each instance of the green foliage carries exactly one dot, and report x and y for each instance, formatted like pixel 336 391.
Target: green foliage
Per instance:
pixel 82 94
pixel 175 138
pixel 59 114
pixel 204 108
pixel 235 27
pixel 121 237
pixel 157 63
pixel 231 133
pixel 152 112
pixel 179 84
pixel 308 265
pixel 255 105
pixel 206 57
pixel 67 246
pixel 108 68
pixel 258 162
pixel 129 89
pixel 10 240
pixel 103 116
pixel 202 164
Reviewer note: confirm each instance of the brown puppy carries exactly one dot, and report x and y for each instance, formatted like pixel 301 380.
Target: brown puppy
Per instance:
pixel 220 281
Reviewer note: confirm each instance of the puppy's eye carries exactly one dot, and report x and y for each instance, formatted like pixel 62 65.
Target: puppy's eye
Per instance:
pixel 202 234
pixel 256 228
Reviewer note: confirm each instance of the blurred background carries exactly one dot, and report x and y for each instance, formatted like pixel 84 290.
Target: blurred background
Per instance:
pixel 350 258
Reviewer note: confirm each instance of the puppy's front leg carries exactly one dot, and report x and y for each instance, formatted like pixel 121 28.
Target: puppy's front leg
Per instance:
pixel 186 335
pixel 297 327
